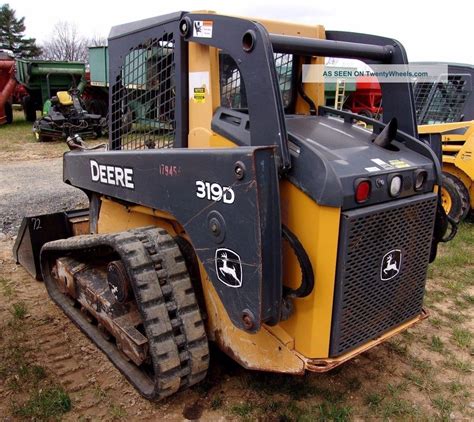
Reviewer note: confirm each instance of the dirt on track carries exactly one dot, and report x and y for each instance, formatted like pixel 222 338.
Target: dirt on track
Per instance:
pixel 97 390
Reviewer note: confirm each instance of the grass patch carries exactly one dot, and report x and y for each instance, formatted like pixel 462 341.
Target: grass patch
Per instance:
pixel 373 400
pixel 435 322
pixel 462 366
pixel 19 310
pixel 398 346
pixel 444 406
pixel 457 388
pixel 100 394
pixel 421 365
pixel 17 141
pixel 455 316
pixel 436 344
pixel 45 404
pixel 7 290
pixel 462 337
pixel 216 402
pixel 334 412
pixel 244 410
pixel 117 412
pixel 398 407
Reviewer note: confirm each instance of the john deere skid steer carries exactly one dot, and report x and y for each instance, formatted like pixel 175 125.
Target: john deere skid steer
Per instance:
pixel 230 206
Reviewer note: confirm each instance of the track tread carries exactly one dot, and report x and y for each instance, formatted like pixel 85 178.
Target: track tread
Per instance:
pixel 165 298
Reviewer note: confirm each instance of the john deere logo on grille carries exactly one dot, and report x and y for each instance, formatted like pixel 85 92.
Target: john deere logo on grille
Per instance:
pixel 391 264
pixel 228 267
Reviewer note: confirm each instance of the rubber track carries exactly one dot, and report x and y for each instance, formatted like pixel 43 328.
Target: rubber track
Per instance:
pixel 165 299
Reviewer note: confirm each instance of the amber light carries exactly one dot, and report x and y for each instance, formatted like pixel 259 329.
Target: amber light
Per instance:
pixel 362 192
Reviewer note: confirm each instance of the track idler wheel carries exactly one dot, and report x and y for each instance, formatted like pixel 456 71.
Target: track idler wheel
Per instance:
pixel 118 281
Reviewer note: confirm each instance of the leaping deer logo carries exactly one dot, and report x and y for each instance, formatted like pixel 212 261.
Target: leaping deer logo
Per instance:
pixel 391 263
pixel 228 267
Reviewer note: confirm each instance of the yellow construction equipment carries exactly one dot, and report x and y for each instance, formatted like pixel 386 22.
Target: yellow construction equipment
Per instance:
pixel 446 113
pixel 457 191
pixel 232 206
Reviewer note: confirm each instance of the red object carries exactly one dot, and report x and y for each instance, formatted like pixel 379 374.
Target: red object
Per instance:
pixel 367 98
pixel 362 191
pixel 7 85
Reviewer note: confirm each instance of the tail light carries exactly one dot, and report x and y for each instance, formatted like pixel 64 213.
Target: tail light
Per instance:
pixel 362 190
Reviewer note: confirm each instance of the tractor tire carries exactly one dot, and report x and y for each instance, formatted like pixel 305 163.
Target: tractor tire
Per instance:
pixel 95 106
pixel 455 197
pixel 29 109
pixel 9 113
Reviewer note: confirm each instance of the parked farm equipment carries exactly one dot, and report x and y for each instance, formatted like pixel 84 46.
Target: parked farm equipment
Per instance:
pixel 42 79
pixel 67 117
pixel 7 86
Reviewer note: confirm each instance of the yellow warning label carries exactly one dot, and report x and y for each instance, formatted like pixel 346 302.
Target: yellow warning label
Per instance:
pixel 199 95
pixel 399 164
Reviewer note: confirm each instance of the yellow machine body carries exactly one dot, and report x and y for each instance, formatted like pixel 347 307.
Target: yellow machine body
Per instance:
pixel 458 151
pixel 302 342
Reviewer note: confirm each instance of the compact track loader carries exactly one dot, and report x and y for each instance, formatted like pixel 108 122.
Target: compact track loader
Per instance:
pixel 231 206
pixel 445 111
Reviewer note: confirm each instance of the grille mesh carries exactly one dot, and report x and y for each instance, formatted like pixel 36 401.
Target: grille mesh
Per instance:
pixel 143 100
pixel 441 102
pixel 233 94
pixel 365 306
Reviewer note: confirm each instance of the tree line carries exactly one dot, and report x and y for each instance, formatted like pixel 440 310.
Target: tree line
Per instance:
pixel 64 43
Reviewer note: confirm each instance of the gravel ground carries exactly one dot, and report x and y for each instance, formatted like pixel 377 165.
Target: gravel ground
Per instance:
pixel 29 188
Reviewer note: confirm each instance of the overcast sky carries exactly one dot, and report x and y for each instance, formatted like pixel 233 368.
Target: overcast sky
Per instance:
pixel 430 31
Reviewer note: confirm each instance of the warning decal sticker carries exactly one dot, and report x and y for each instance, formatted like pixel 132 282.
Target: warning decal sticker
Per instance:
pixel 382 163
pixel 399 164
pixel 199 95
pixel 202 29
pixel 198 86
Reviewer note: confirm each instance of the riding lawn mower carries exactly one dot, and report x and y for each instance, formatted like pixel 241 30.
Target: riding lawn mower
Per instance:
pixel 66 116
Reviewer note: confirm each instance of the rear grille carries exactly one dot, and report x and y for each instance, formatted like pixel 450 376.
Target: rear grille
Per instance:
pixel 365 306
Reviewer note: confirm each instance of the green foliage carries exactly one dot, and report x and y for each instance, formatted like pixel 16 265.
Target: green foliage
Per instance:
pixel 45 404
pixel 12 34
pixel 19 310
pixel 436 344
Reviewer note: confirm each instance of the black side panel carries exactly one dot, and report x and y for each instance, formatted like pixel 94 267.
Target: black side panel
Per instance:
pixel 236 235
pixel 232 124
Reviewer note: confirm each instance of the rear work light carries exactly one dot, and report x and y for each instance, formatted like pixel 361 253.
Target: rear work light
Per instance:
pixel 420 179
pixel 362 190
pixel 395 186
